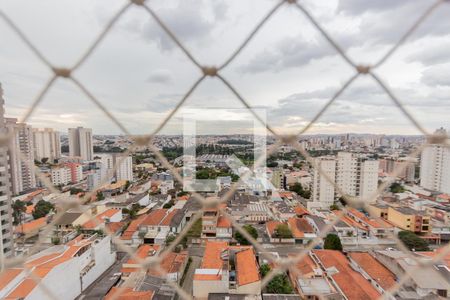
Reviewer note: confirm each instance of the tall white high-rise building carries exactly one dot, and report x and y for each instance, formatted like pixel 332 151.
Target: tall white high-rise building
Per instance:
pixel 435 166
pixel 357 176
pixel 46 144
pixel 322 191
pixel 80 143
pixel 21 156
pixel 354 175
pixel 124 169
pixel 6 230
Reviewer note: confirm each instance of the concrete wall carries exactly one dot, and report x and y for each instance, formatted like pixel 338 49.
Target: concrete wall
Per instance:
pixel 201 288
pixel 104 258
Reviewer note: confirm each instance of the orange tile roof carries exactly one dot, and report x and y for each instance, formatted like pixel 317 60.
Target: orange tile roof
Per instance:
pixel 7 276
pixel 127 293
pixel 155 217
pixel 172 262
pixel 374 268
pixel 211 257
pixel 184 197
pixel 247 270
pixel 100 218
pixel 32 226
pixel 142 252
pixel 351 283
pixel 114 227
pixel 271 226
pixel 223 222
pixel 30 209
pixel 288 195
pixel 303 267
pixel 168 218
pixel 299 227
pixel 22 290
pixel 300 210
pixel 131 229
pixel 31 195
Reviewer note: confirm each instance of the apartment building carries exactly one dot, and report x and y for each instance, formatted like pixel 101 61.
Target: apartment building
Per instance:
pixel 46 144
pixel 435 166
pixel 80 143
pixel 6 241
pixel 21 156
pixel 67 173
pixel 322 191
pixel 406 168
pixel 409 219
pixel 124 169
pixel 355 176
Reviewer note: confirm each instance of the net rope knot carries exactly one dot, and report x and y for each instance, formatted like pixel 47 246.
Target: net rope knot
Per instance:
pixel 437 139
pixel 138 2
pixel 62 72
pixel 363 69
pixel 209 71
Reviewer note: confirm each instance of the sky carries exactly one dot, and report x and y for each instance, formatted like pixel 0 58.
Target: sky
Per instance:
pixel 288 71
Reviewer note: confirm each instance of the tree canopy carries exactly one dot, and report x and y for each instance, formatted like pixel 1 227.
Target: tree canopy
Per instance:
pixel 332 242
pixel 413 241
pixel 42 208
pixel 280 284
pixel 19 207
pixel 241 239
pixel 283 232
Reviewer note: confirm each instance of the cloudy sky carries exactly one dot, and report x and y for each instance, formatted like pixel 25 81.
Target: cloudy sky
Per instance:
pixel 288 70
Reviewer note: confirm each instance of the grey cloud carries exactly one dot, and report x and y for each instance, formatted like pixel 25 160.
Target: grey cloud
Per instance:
pixel 162 76
pixel 188 21
pixel 432 55
pixel 437 75
pixel 288 53
pixel 357 7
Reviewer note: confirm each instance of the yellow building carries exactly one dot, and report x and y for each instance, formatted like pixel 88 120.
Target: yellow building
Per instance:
pixel 409 219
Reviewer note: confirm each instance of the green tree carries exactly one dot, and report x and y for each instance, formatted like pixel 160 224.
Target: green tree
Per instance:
pixel 100 196
pixel 332 242
pixel 413 241
pixel 334 207
pixel 241 239
pixel 42 208
pixel 19 208
pixel 44 160
pixel 283 232
pixel 127 184
pixel 298 188
pixel 280 284
pixel 74 191
pixel 396 188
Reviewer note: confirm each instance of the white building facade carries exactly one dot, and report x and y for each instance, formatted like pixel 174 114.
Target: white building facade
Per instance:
pixel 80 143
pixel 6 229
pixel 354 175
pixel 46 144
pixel 435 167
pixel 322 191
pixel 21 156
pixel 124 169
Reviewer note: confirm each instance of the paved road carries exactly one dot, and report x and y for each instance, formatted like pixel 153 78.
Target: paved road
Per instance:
pixel 195 250
pixel 99 288
pixel 188 280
